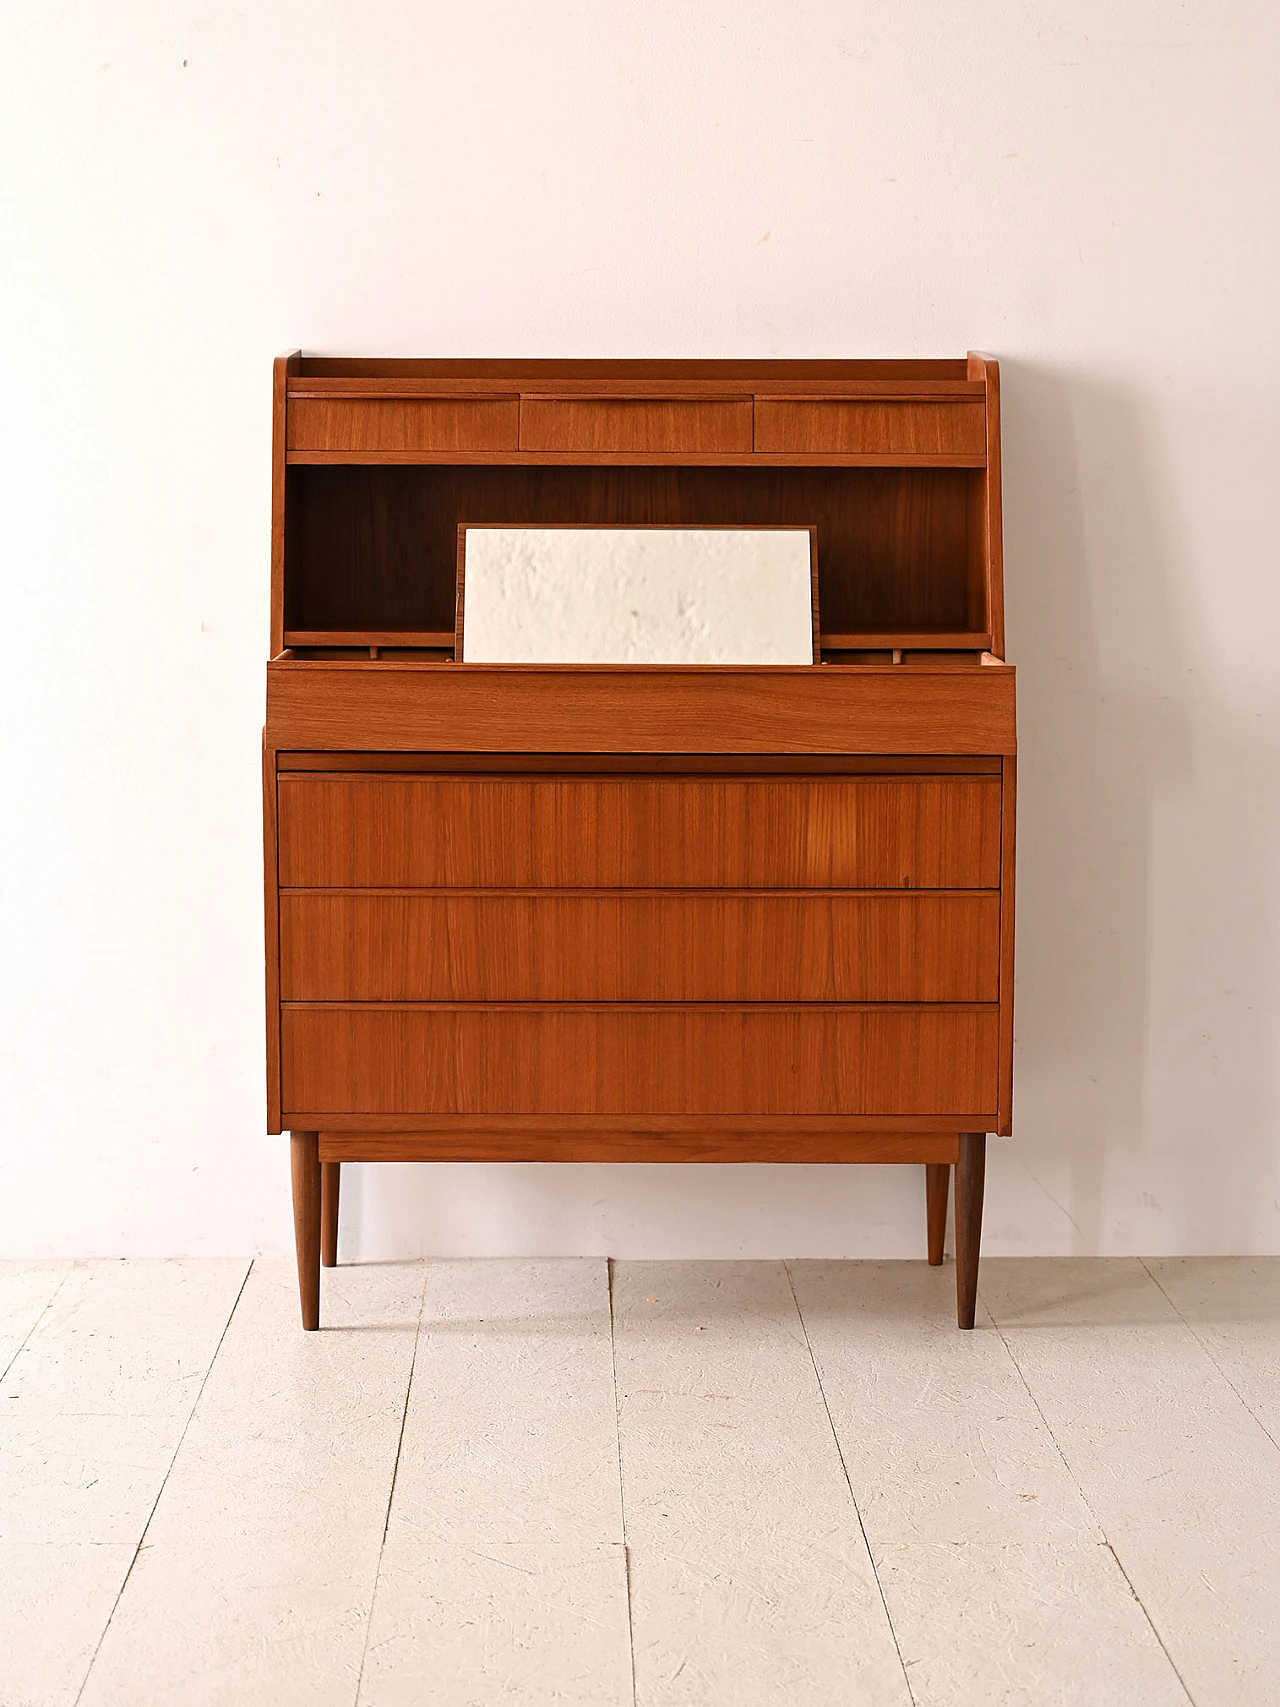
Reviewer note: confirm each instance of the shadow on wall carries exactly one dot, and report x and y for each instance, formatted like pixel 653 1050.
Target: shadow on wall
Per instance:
pixel 1144 1103
pixel 1144 1109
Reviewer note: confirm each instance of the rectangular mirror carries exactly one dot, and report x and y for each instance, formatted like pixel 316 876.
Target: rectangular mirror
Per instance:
pixel 637 595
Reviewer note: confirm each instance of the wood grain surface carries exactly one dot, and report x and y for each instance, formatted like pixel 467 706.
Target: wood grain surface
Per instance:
pixel 497 708
pixel 401 424
pixel 781 1145
pixel 587 946
pixel 644 1059
pixel 371 831
pixel 653 424
pixel 889 426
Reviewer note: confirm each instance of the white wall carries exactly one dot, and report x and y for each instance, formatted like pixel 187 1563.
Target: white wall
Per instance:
pixel 1087 188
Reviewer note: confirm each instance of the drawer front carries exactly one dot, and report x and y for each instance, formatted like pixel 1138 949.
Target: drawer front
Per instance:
pixel 556 947
pixel 390 832
pixel 657 1060
pixel 696 426
pixel 814 426
pixel 646 708
pixel 404 424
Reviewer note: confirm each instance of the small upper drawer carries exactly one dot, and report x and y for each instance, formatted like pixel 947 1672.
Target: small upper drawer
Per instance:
pixel 882 427
pixel 671 425
pixel 404 423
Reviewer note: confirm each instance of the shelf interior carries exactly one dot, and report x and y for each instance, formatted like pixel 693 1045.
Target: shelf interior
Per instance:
pixel 372 550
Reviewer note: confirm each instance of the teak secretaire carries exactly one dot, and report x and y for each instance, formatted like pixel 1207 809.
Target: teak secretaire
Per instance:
pixel 638 913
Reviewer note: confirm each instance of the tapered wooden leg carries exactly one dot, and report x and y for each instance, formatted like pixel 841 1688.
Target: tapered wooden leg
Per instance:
pixel 971 1169
pixel 937 1184
pixel 330 1181
pixel 304 1161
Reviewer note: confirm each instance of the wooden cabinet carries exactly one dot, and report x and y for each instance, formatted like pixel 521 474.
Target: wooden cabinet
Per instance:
pixel 557 913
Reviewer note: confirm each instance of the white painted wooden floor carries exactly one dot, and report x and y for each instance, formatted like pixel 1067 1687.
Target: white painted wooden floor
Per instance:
pixel 720 1483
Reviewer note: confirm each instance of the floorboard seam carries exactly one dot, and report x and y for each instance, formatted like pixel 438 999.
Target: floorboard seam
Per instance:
pixel 48 1305
pixel 391 1491
pixel 1191 1329
pixel 164 1480
pixel 875 1569
pixel 622 1489
pixel 1088 1506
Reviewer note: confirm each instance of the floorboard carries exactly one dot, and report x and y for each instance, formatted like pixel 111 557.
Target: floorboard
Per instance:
pixel 26 1291
pixel 92 1409
pixel 506 1516
pixel 1179 1473
pixel 511 1433
pixel 256 1579
pixel 1232 1306
pixel 997 1578
pixel 750 1578
pixel 544 1484
pixel 470 1624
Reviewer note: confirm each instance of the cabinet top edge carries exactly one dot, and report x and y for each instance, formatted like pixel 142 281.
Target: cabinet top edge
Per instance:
pixel 989 666
pixel 542 369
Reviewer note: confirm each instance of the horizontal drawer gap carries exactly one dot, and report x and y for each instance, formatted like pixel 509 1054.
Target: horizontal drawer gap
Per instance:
pixel 668 892
pixel 635 459
pixel 403 768
pixel 645 1007
pixel 351 764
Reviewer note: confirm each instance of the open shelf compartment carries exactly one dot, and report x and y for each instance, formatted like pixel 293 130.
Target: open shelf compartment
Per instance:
pixel 372 554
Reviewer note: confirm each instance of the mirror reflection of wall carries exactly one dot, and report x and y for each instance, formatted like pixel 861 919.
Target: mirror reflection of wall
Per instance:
pixel 637 595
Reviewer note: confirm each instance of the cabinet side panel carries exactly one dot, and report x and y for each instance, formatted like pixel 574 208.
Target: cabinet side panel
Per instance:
pixel 1008 814
pixel 285 366
pixel 271 921
pixel 983 368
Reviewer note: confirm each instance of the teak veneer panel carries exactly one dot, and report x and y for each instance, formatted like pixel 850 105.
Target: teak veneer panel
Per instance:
pixel 497 708
pixel 658 1125
pixel 405 424
pixel 643 1060
pixel 619 832
pixel 784 1146
pixel 652 425
pixel 550 946
pixel 816 425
